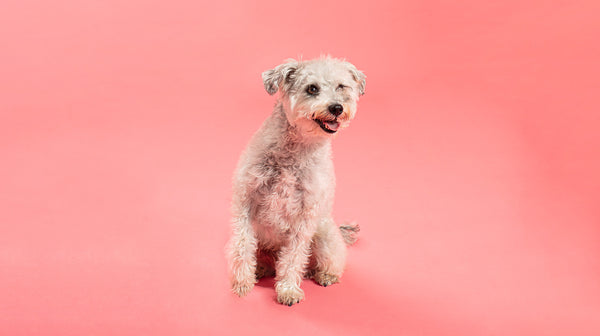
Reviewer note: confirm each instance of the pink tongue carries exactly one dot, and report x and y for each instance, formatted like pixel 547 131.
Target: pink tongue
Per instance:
pixel 332 125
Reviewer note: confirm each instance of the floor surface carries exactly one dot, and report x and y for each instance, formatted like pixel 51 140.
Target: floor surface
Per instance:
pixel 472 166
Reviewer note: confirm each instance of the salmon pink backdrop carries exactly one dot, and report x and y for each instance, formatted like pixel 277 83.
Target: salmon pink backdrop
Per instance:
pixel 472 166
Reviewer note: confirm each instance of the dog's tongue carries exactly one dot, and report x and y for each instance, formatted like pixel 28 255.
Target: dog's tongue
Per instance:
pixel 332 125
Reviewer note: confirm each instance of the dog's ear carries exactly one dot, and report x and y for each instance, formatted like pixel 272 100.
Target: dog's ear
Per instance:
pixel 359 77
pixel 274 79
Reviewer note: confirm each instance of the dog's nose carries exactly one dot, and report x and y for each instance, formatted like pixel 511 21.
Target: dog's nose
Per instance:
pixel 336 109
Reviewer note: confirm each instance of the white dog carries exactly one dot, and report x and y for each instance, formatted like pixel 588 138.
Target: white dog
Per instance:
pixel 284 183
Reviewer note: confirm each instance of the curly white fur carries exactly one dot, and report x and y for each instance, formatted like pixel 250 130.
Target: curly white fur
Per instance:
pixel 284 183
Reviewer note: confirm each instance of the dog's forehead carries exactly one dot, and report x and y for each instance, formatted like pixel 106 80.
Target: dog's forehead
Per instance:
pixel 326 71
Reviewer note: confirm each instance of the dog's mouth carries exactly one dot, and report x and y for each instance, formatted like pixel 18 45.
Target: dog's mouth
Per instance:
pixel 329 126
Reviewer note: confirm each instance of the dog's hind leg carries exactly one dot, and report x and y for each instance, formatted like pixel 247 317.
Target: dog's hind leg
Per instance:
pixel 329 253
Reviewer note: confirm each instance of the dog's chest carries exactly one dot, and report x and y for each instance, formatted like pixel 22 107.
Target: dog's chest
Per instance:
pixel 286 191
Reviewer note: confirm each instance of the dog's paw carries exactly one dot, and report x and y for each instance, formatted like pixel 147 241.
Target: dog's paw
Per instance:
pixel 325 279
pixel 242 288
pixel 290 295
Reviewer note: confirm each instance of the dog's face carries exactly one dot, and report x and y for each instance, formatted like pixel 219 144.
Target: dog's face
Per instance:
pixel 319 96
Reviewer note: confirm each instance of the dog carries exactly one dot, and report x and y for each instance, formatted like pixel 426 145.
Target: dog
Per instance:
pixel 284 182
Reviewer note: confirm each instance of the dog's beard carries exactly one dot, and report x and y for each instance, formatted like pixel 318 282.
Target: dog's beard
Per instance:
pixel 316 120
pixel 329 123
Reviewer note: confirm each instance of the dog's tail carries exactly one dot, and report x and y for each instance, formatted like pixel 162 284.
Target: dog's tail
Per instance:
pixel 350 232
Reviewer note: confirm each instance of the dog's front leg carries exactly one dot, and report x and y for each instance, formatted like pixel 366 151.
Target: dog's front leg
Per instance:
pixel 290 266
pixel 242 251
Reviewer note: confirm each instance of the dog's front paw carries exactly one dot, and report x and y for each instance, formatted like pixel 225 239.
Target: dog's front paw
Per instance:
pixel 241 288
pixel 289 295
pixel 325 279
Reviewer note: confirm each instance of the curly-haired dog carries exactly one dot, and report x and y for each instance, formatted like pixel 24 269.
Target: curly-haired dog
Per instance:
pixel 284 183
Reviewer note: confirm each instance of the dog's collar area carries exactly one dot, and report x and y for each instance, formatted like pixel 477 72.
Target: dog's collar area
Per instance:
pixel 328 126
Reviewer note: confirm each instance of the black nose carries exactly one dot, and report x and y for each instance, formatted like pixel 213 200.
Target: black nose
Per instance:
pixel 336 109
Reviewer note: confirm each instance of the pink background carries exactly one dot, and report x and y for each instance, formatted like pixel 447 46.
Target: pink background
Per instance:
pixel 472 166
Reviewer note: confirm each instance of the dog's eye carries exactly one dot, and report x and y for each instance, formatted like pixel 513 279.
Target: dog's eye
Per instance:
pixel 312 89
pixel 341 87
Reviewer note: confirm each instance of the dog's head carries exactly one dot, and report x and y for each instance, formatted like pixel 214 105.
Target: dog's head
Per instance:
pixel 319 96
